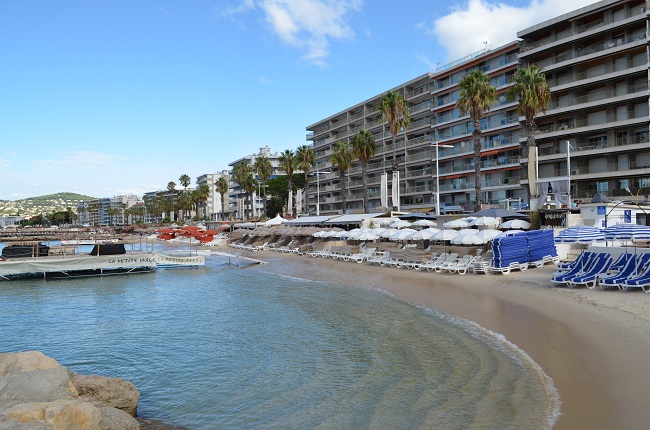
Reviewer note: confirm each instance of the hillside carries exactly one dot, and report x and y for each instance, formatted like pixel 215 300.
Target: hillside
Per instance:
pixel 42 204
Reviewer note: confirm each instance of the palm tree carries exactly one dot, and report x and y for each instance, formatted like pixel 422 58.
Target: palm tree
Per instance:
pixel 287 163
pixel 533 94
pixel 342 159
pixel 249 185
pixel 264 170
pixel 171 186
pixel 240 171
pixel 305 160
pixel 395 111
pixel 184 203
pixel 363 149
pixel 222 188
pixel 476 96
pixel 199 197
pixel 184 180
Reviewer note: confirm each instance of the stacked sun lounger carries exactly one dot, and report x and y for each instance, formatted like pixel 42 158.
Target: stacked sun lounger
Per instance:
pixel 541 247
pixel 510 253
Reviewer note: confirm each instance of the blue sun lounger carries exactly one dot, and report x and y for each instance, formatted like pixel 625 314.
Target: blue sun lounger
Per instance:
pixel 599 266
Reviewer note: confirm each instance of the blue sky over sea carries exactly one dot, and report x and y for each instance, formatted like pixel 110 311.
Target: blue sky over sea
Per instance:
pixel 120 97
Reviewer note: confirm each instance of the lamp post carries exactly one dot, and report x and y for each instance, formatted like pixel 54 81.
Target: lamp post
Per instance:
pixel 436 145
pixel 568 170
pixel 317 172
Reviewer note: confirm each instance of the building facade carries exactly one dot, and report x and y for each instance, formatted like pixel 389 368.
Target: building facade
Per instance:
pixel 213 208
pixel 237 204
pixel 106 211
pixel 594 134
pixel 596 64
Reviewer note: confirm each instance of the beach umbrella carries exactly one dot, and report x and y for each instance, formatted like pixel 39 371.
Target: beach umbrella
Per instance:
pixel 378 231
pixel 516 224
pixel 485 221
pixel 403 234
pixel 508 233
pixel 424 223
pixel 400 224
pixel 627 232
pixel 422 235
pixel 580 234
pixel 467 239
pixel 366 236
pixel 488 234
pixel 432 230
pixel 389 232
pixel 466 231
pixel 457 223
pixel 445 235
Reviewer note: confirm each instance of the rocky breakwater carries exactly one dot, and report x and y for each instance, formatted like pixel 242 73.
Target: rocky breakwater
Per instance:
pixel 37 393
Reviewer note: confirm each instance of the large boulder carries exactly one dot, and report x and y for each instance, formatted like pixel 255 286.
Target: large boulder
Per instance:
pixel 55 415
pixel 36 386
pixel 113 392
pixel 25 362
pixel 116 419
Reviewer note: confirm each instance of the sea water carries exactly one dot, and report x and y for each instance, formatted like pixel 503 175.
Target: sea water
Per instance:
pixel 222 347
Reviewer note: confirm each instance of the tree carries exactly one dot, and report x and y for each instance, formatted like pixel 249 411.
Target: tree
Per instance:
pixel 533 94
pixel 184 180
pixel 476 96
pixel 305 159
pixel 342 159
pixel 199 197
pixel 287 163
pixel 184 203
pixel 222 187
pixel 264 170
pixel 395 111
pixel 171 186
pixel 363 148
pixel 240 171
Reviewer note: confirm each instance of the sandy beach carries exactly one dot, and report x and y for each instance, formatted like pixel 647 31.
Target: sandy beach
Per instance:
pixel 594 344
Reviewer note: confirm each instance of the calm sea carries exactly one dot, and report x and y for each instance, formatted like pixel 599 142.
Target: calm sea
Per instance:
pixel 245 348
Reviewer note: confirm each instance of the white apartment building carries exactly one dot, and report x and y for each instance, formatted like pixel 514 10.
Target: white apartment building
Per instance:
pixel 596 64
pixel 213 208
pixel 236 198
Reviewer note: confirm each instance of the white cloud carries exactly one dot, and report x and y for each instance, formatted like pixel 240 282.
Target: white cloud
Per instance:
pixel 305 24
pixel 80 160
pixel 5 163
pixel 469 25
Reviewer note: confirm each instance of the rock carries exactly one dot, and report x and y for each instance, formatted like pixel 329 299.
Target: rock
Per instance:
pixel 25 362
pixel 56 415
pixel 147 424
pixel 113 392
pixel 36 386
pixel 116 419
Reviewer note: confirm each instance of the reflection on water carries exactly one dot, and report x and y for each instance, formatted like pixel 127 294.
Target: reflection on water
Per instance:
pixel 221 347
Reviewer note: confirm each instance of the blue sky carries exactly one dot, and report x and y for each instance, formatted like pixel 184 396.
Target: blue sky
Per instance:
pixel 112 97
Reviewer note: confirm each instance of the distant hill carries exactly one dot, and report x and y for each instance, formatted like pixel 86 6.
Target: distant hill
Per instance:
pixel 42 204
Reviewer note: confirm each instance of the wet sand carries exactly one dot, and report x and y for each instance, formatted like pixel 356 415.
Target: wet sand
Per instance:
pixel 594 344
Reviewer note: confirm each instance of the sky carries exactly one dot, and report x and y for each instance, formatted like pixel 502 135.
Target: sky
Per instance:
pixel 113 97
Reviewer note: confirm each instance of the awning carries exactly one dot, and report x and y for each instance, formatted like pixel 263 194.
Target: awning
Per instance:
pixel 451 177
pixel 309 220
pixel 492 152
pixel 353 218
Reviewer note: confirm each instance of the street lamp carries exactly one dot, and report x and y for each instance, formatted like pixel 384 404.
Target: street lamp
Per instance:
pixel 568 170
pixel 317 173
pixel 436 145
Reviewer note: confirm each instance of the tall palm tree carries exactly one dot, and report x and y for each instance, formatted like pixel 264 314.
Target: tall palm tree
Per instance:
pixel 171 186
pixel 184 203
pixel 264 170
pixel 222 188
pixel 249 185
pixel 395 111
pixel 199 197
pixel 240 171
pixel 342 159
pixel 476 96
pixel 305 160
pixel 184 180
pixel 533 94
pixel 287 163
pixel 363 149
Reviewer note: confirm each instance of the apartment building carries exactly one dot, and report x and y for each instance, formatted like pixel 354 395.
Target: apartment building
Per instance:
pixel 213 208
pixel 236 205
pixel 105 211
pixel 596 63
pixel 595 131
pixel 435 149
